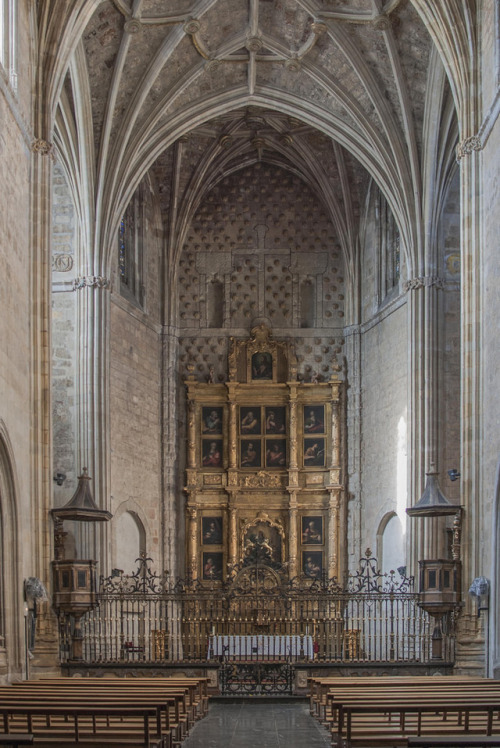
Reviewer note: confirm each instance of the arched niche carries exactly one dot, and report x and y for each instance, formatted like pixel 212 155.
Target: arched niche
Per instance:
pixel 11 620
pixel 494 621
pixel 390 543
pixel 129 540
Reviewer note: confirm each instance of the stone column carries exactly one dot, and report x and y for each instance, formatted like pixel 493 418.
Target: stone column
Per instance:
pixel 41 529
pixel 353 499
pixel 172 504
pixel 93 436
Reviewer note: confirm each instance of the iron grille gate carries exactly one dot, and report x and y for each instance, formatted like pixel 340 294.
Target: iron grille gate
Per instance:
pixel 256 678
pixel 150 618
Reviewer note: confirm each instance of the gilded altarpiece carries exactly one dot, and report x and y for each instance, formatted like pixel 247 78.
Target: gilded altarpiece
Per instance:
pixel 265 467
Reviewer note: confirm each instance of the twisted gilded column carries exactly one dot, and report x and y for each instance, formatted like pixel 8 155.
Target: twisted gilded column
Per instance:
pixel 233 537
pixel 292 536
pixel 333 534
pixel 192 513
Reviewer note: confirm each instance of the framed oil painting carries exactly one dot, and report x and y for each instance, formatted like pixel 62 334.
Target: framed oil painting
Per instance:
pixel 312 530
pixel 250 422
pixel 250 453
pixel 275 453
pixel 314 452
pixel 312 564
pixel 314 419
pixel 211 453
pixel 211 530
pixel 212 565
pixel 262 365
pixel 275 420
pixel 211 420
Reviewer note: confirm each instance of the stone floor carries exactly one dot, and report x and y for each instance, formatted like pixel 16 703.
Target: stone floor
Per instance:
pixel 258 724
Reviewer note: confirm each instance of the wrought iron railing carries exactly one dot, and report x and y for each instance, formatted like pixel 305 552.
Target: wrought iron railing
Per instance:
pixel 257 615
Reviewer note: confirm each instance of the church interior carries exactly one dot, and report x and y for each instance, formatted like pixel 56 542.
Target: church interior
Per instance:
pixel 249 340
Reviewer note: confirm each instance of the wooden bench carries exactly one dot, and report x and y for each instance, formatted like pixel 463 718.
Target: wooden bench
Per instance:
pixel 16 739
pixel 322 688
pixel 74 728
pixel 63 710
pixel 372 723
pixel 441 741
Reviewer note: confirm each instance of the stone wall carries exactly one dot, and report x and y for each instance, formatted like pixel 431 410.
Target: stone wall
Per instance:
pixel 490 448
pixel 135 400
pixel 15 351
pixel 263 243
pixel 64 339
pixel 384 423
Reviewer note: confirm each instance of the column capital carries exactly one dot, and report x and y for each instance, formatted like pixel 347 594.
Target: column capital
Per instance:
pixel 467 146
pixel 91 281
pixel 424 281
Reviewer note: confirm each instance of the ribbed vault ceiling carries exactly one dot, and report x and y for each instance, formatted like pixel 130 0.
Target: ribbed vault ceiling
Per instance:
pixel 330 89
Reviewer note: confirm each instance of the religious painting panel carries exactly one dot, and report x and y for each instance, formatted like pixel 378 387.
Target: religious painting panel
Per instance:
pixel 211 420
pixel 250 453
pixel 312 564
pixel 211 530
pixel 314 419
pixel 275 420
pixel 262 366
pixel 312 530
pixel 275 453
pixel 262 544
pixel 314 452
pixel 211 453
pixel 212 565
pixel 250 420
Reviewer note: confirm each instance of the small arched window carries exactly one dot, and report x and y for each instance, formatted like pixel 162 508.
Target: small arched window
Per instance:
pixel 131 249
pixel 8 40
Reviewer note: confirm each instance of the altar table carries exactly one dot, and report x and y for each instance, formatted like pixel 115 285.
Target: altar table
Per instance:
pixel 261 647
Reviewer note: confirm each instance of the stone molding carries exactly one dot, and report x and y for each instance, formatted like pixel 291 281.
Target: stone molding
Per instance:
pixel 62 263
pixel 43 147
pixel 474 143
pixel 91 281
pixel 424 281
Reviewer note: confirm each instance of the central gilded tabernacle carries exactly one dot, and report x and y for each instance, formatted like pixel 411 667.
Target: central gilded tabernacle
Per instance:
pixel 264 467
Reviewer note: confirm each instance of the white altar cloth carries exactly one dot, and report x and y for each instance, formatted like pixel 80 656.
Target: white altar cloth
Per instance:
pixel 261 646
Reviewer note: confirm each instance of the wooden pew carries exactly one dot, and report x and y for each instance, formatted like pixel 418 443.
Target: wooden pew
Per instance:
pixel 452 741
pixel 74 728
pixel 170 722
pixel 179 700
pixel 15 739
pixel 371 722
